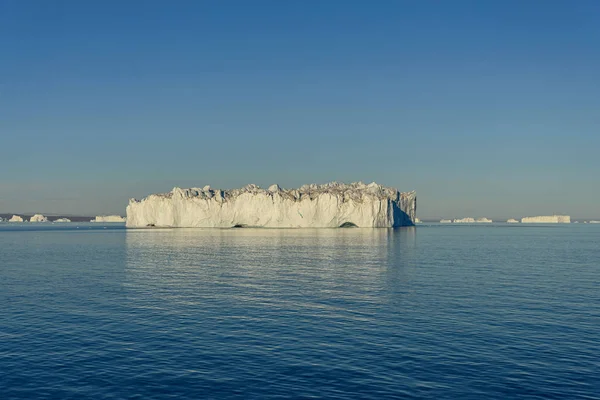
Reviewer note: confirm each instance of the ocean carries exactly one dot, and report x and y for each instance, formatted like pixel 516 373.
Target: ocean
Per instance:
pixel 95 311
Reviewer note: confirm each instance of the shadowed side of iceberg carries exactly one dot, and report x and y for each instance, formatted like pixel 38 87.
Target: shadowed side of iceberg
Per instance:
pixel 311 206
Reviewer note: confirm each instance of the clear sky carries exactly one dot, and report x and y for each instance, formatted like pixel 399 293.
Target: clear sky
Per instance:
pixel 486 108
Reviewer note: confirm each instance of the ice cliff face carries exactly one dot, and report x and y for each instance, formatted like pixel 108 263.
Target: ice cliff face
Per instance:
pixel 38 218
pixel 312 206
pixel 550 219
pixel 108 218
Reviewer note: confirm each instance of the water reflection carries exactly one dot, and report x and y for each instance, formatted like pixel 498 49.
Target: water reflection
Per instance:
pixel 268 266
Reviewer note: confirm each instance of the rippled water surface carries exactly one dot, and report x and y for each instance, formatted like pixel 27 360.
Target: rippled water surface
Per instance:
pixel 444 312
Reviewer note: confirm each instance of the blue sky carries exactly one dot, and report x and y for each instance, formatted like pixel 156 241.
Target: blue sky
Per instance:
pixel 486 108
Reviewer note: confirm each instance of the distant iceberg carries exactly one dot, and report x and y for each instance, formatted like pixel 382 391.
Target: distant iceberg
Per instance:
pixel 548 219
pixel 512 221
pixel 62 220
pixel 16 218
pixel 470 220
pixel 445 221
pixel 38 218
pixel 467 220
pixel 330 205
pixel 109 218
pixel 594 222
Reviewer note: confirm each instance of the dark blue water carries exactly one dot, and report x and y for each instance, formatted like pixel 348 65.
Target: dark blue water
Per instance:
pixel 443 312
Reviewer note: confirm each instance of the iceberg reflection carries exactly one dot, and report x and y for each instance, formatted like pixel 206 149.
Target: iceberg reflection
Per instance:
pixel 220 267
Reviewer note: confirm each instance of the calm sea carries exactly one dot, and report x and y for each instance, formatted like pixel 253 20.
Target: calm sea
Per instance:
pixel 439 312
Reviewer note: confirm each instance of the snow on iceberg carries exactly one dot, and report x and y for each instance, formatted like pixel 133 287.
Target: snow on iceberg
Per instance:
pixel 311 206
pixel 108 218
pixel 38 218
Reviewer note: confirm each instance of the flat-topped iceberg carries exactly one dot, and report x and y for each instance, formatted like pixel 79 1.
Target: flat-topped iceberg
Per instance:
pixel 62 220
pixel 547 219
pixel 108 218
pixel 512 221
pixel 330 205
pixel 38 218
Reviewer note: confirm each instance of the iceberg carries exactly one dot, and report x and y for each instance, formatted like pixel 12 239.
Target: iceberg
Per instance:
pixel 445 221
pixel 16 218
pixel 512 221
pixel 470 220
pixel 62 220
pixel 330 205
pixel 547 219
pixel 467 220
pixel 38 218
pixel 108 218
pixel 594 222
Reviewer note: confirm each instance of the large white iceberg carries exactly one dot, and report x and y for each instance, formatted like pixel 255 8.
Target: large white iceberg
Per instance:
pixel 330 205
pixel 547 219
pixel 16 218
pixel 108 218
pixel 38 218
